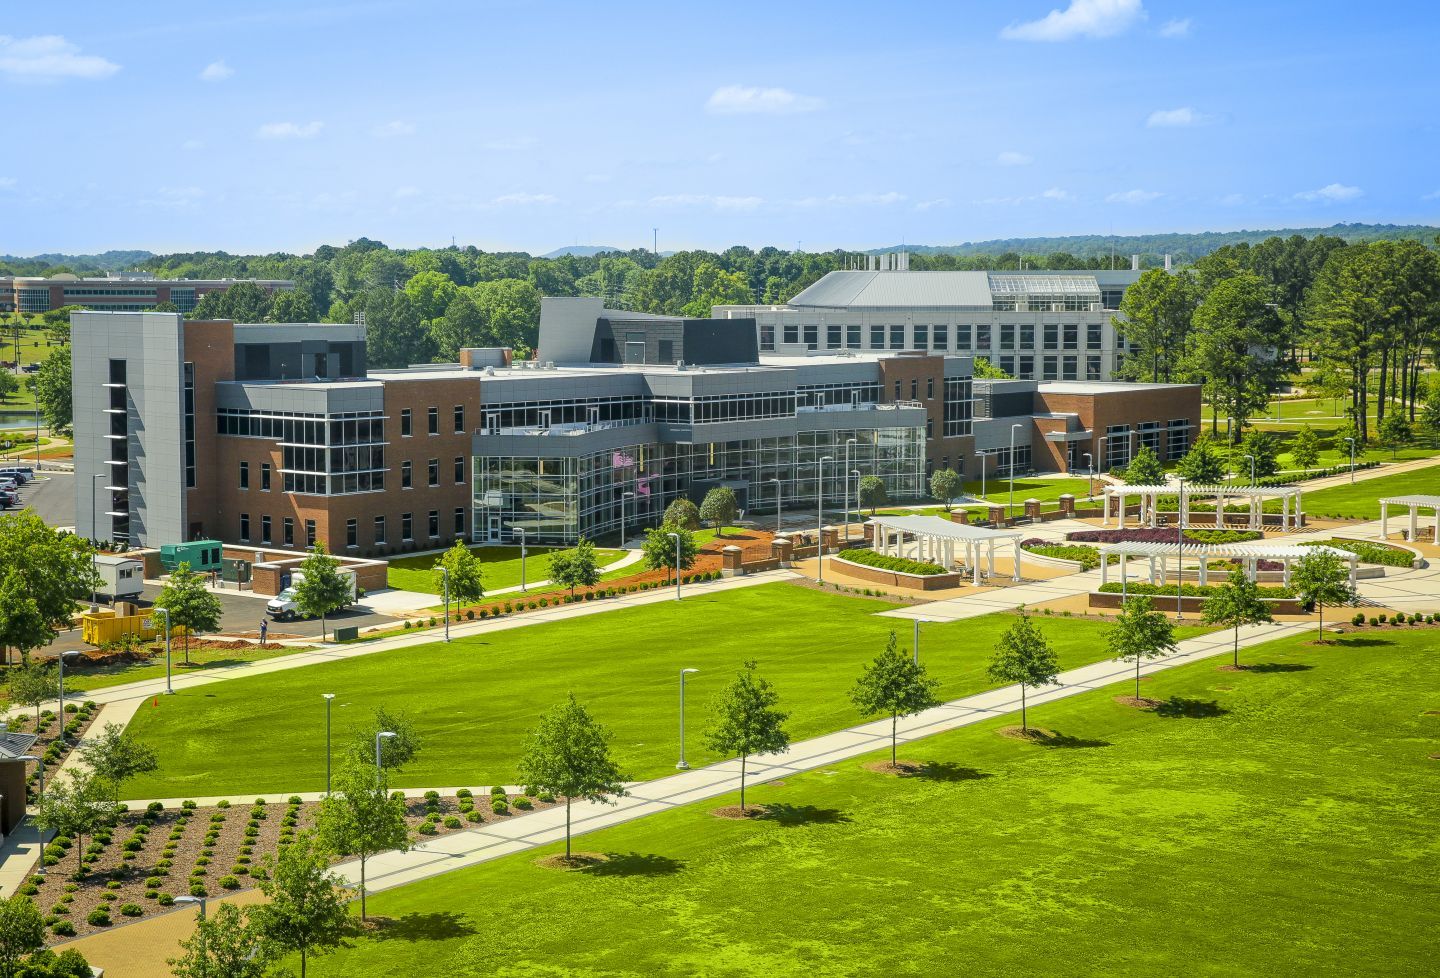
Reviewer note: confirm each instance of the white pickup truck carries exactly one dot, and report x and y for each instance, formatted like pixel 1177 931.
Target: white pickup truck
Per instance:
pixel 284 607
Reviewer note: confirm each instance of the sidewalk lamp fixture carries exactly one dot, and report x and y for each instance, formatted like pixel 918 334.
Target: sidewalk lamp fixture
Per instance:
pixel 676 538
pixel 623 496
pixel 445 582
pixel 848 443
pixel 1013 429
pixel 329 698
pixel 1180 551
pixel 779 488
pixel 1352 460
pixel 683 765
pixel 1089 479
pixel 382 735
pixel 150 623
pixel 520 530
pixel 204 955
pixel 820 519
pixel 39 832
pixel 1252 467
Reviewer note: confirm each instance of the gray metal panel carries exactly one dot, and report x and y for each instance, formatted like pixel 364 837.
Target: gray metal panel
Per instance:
pixel 898 290
pixel 994 433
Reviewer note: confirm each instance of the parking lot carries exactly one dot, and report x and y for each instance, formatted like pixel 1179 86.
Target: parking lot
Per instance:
pixel 52 496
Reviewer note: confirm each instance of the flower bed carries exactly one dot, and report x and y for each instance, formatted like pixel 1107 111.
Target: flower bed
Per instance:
pixel 1163 535
pixel 900 565
pixel 1369 553
pixel 1087 557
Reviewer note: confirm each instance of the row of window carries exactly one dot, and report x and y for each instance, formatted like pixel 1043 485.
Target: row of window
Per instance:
pixel 352 470
pixel 920 336
pixel 352 529
pixel 432 421
pixel 432 473
pixel 1052 367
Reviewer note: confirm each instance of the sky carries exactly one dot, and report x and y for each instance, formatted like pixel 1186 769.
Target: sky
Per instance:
pixel 280 125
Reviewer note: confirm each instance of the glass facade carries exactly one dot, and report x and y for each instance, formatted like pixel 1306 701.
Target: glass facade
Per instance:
pixel 320 455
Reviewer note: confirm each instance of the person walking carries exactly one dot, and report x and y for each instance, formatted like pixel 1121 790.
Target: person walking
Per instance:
pixel 264 627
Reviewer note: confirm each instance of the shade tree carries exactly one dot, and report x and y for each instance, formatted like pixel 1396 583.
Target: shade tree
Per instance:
pixel 568 755
pixel 1024 656
pixel 1139 633
pixel 190 605
pixel 1236 602
pixel 745 721
pixel 894 685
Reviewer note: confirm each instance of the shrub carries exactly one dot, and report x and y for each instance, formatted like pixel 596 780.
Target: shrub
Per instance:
pixel 1087 557
pixel 545 797
pixel 427 827
pixel 497 790
pixel 1368 553
pixel 133 845
pixel 152 894
pixel 71 708
pixel 293 800
pixel 432 795
pixel 60 909
pixel 1359 618
pixel 1162 535
pixel 155 806
pixel 197 889
pixel 464 793
pixel 498 806
pixel 228 882
pixel 523 803
pixel 544 602
pixel 474 816
pixel 131 910
pixel 470 614
pixel 154 882
pixel 113 885
pixel 99 917
pixel 1188 590
pixel 165 899
pixel 900 565
pixel 451 822
pixel 187 804
pixel 63 928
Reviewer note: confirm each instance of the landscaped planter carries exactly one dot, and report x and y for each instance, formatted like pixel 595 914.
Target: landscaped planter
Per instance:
pixel 1166 602
pixel 919 582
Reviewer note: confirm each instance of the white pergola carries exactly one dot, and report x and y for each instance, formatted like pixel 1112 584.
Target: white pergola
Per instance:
pixel 1414 504
pixel 938 541
pixel 1255 496
pixel 1249 554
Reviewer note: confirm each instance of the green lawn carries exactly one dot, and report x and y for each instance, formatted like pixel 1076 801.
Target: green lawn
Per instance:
pixel 475 700
pixel 33 349
pixel 84 679
pixel 1362 500
pixel 502 567
pixel 1276 822
pixel 1048 491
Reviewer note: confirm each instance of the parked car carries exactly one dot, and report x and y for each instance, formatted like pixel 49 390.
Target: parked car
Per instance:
pixel 21 476
pixel 9 485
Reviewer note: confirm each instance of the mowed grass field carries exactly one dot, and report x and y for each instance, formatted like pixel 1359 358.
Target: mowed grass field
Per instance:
pixel 1362 500
pixel 502 567
pixel 1274 822
pixel 475 700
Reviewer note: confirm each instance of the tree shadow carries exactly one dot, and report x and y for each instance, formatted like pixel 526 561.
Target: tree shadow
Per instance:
pixel 1178 707
pixel 438 926
pixel 634 864
pixel 1058 739
pixel 949 771
pixel 1361 643
pixel 1279 667
pixel 792 815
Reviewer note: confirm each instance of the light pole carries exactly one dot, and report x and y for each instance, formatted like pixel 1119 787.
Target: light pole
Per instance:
pixel 982 456
pixel 820 520
pixel 856 474
pixel 1352 460
pixel 39 832
pixel 915 643
pixel 1103 440
pixel 623 496
pixel 201 901
pixel 676 538
pixel 778 491
pixel 329 698
pixel 445 583
pixel 1252 467
pixel 848 443
pixel 521 530
pixel 94 542
pixel 1013 428
pixel 61 686
pixel 1180 550
pixel 683 765
pixel 1090 479
pixel 166 612
pixel 382 735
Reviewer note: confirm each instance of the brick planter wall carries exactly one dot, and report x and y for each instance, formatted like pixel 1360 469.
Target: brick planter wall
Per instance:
pixel 919 582
pixel 1278 606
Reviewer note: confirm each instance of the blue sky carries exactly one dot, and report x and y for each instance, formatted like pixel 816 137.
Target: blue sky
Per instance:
pixel 530 125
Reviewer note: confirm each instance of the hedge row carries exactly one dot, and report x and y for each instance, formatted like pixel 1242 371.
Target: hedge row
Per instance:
pixel 1088 557
pixel 1369 553
pixel 900 565
pixel 1162 535
pixel 499 610
pixel 1186 590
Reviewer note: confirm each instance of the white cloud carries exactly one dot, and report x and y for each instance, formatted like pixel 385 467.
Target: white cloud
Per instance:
pixel 721 202
pixel 523 198
pixel 926 205
pixel 1177 118
pixel 1179 27
pixel 1051 194
pixel 1330 193
pixel 1055 193
pixel 7 183
pixel 289 130
pixel 1083 18
pixel 403 192
pixel 173 198
pixel 395 127
pixel 1433 195
pixel 1232 200
pixel 216 71
pixel 1133 197
pixel 510 143
pixel 1011 158
pixel 48 58
pixel 749 100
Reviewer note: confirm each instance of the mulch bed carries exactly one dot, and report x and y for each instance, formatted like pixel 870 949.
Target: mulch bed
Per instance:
pixel 50 727
pixel 900 769
pixel 573 862
pixel 736 813
pixel 60 896
pixel 1139 702
pixel 1037 735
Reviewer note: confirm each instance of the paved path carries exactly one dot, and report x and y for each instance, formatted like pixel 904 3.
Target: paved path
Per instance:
pixel 1361 475
pixel 1001 598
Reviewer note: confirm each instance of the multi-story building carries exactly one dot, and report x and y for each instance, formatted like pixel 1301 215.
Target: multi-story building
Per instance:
pixel 1034 325
pixel 279 434
pixel 117 292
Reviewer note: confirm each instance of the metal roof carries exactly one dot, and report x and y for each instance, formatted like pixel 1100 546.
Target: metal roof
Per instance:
pixel 934 526
pixel 876 290
pixel 15 745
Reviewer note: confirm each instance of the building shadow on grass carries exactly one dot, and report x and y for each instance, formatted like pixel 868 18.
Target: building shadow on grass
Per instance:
pixel 634 864
pixel 948 771
pixel 1185 707
pixel 792 815
pixel 414 927
pixel 1279 667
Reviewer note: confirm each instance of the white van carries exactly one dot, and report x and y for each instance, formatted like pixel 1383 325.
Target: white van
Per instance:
pixel 284 607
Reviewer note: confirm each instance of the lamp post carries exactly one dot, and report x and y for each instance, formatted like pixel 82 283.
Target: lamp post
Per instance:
pixel 170 690
pixel 204 955
pixel 445 583
pixel 623 496
pixel 1352 460
pixel 1101 448
pixel 521 530
pixel 1090 479
pixel 848 443
pixel 1252 467
pixel 39 832
pixel 382 735
pixel 820 520
pixel 60 659
pixel 95 541
pixel 915 643
pixel 683 765
pixel 1013 428
pixel 778 491
pixel 329 698
pixel 982 456
pixel 676 538
pixel 1180 550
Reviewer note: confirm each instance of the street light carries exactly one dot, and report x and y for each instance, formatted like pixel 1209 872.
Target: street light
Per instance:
pixel 820 519
pixel 166 612
pixel 382 735
pixel 778 492
pixel 201 901
pixel 676 538
pixel 39 832
pixel 915 643
pixel 61 686
pixel 1180 550
pixel 848 443
pixel 521 530
pixel 982 456
pixel 94 543
pixel 1352 460
pixel 329 698
pixel 1252 467
pixel 445 583
pixel 1013 427
pixel 623 496
pixel 683 765
pixel 1090 479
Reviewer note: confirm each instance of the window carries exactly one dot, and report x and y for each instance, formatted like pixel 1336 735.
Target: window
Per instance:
pixel 432 471
pixel 929 428
pixel 1007 336
pixel 982 336
pixel 434 523
pixel 1072 336
pixel 289 527
pixel 929 388
pixel 406 425
pixel 942 337
pixel 264 476
pixel 1117 446
pixel 897 390
pixel 1007 364
pixel 1052 336
pixel 459 521
pixel 1070 367
pixel 245 526
pixel 1027 336
pixel 897 337
pixel 244 475
pixel 352 533
pixel 433 420
pixel 667 351
pixel 1179 439
pixel 460 418
pixel 877 337
pixel 1092 367
pixel 265 529
pixel 1051 368
pixel 379 529
pixel 407 527
pixel 852 336
pixel 1092 336
pixel 459 470
pixel 792 332
pixel 922 337
pixel 405 475
pixel 1027 368
pixel 309 533
pixel 962 337
pixel 812 336
pixel 914 388
pixel 832 336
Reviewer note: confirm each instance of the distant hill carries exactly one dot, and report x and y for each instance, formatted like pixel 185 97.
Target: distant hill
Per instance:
pixel 581 251
pixel 1183 246
pixel 110 261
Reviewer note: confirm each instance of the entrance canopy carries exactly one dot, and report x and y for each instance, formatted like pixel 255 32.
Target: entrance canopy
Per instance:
pixel 1414 504
pixel 938 541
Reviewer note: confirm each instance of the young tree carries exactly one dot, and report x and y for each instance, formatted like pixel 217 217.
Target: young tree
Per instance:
pixel 872 493
pixel 54 565
pixel 659 549
pixel 1202 465
pixel 22 931
pixel 1023 655
pixel 744 721
pixel 22 627
pixel 1140 632
pixel 1305 449
pixel 226 941
pixel 323 590
pixel 52 388
pixel 719 509
pixel 191 606
pixel 9 384
pixel 361 819
pixel 894 685
pixel 1236 602
pixel 682 513
pixel 467 582
pixel 32 684
pixel 1321 578
pixel 1429 420
pixel 577 567
pixel 116 757
pixel 78 807
pixel 396 751
pixel 1259 444
pixel 306 909
pixel 945 485
pixel 1145 469
pixel 568 754
pixel 1395 432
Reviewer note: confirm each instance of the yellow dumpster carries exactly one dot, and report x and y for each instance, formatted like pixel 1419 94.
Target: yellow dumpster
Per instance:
pixel 100 627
